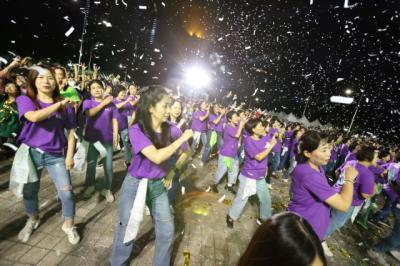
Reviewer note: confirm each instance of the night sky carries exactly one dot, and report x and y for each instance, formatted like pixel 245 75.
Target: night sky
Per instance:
pixel 285 51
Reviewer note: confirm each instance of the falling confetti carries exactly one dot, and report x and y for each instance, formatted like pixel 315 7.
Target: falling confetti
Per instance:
pixel 68 33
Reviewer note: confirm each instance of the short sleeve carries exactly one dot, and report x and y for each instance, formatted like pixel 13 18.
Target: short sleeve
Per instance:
pixel 87 104
pixel 70 121
pixel 318 186
pixel 138 139
pixel 24 104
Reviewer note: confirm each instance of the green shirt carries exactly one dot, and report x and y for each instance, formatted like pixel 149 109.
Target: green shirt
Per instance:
pixel 9 120
pixel 70 93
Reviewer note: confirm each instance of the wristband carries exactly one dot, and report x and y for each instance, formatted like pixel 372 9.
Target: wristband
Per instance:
pixel 348 180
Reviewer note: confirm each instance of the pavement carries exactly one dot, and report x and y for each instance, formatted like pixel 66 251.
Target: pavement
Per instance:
pixel 200 228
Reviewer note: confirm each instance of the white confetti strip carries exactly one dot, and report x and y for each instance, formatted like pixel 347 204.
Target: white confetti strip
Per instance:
pixel 69 31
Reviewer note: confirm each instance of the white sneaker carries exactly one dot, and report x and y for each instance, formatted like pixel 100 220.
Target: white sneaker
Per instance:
pixel 326 249
pixel 88 192
pixel 285 180
pixel 395 253
pixel 28 229
pixel 108 195
pixel 72 234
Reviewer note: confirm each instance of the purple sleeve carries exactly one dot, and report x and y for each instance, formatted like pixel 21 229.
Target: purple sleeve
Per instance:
pixel 70 121
pixel 175 134
pixel 87 104
pixel 24 104
pixel 319 187
pixel 367 183
pixel 138 139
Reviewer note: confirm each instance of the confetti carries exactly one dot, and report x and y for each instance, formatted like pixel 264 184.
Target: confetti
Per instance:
pixel 68 33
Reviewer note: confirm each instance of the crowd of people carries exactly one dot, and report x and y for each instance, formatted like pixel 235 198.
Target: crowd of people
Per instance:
pixel 334 176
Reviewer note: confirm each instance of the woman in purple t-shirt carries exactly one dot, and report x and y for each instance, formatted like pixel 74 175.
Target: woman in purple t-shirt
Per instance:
pixel 292 153
pixel 215 126
pixel 311 195
pixel 228 160
pixel 101 130
pixel 47 116
pixel 364 187
pixel 123 104
pixel 199 127
pixel 257 147
pixel 134 99
pixel 154 142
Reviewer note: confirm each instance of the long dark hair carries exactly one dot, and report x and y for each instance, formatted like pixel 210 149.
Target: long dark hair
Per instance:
pixel 32 91
pixel 151 96
pixel 284 239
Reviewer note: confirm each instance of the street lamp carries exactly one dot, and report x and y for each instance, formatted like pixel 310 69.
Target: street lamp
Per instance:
pixel 355 113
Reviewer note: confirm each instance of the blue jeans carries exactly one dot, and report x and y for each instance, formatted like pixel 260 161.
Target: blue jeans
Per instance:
pixel 222 169
pixel 274 159
pixel 393 240
pixel 292 165
pixel 203 139
pixel 127 145
pixel 284 159
pixel 383 214
pixel 207 150
pixel 55 165
pixel 263 196
pixel 175 186
pixel 157 201
pixel 338 219
pixel 329 167
pixel 107 165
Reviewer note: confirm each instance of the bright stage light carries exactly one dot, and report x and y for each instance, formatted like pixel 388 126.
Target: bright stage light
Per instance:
pixel 197 77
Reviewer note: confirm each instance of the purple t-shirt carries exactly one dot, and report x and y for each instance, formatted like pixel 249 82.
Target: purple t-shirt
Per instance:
pixel 99 127
pixel 287 138
pixel 122 114
pixel 293 148
pixel 216 127
pixel 251 167
pixel 230 146
pixel 130 108
pixel 47 135
pixel 309 190
pixel 198 125
pixel 278 145
pixel 344 149
pixel 364 184
pixel 141 166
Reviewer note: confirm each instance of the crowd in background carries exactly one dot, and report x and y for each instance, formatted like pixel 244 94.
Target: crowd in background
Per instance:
pixel 50 116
